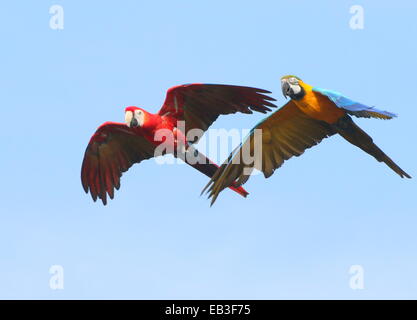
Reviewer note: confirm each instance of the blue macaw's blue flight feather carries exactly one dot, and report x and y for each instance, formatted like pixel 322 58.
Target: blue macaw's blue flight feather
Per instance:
pixel 354 108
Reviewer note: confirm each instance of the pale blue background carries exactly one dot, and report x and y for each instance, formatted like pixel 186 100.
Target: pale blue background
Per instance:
pixel 295 236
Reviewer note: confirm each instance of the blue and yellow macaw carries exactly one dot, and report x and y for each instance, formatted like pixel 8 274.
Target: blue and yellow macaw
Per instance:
pixel 311 115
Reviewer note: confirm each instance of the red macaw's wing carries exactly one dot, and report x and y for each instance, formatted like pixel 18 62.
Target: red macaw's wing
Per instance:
pixel 112 150
pixel 286 133
pixel 199 105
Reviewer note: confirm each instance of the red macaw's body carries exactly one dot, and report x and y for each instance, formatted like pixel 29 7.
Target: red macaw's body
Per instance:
pixel 187 110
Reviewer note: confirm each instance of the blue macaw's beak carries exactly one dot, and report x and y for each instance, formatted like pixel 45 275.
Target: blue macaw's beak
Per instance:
pixel 286 89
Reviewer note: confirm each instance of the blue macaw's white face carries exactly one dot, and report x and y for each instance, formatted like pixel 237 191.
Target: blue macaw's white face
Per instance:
pixel 290 87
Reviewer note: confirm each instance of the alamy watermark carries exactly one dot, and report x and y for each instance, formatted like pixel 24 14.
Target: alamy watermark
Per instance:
pixel 216 143
pixel 56 21
pixel 357 20
pixel 56 281
pixel 357 278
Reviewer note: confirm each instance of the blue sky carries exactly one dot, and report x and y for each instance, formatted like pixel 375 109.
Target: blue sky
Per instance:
pixel 295 236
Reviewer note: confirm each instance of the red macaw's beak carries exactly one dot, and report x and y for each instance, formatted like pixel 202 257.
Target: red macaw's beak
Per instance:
pixel 130 120
pixel 134 123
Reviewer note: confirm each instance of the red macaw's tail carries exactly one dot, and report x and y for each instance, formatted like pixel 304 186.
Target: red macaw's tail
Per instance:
pixel 203 164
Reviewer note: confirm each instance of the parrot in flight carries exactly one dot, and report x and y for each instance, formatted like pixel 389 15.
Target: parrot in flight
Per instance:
pixel 311 115
pixel 115 147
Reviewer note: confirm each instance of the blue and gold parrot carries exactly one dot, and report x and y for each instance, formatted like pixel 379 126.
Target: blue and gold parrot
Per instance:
pixel 311 115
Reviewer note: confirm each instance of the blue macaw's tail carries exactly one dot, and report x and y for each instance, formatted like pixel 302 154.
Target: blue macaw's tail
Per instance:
pixel 203 164
pixel 354 108
pixel 355 135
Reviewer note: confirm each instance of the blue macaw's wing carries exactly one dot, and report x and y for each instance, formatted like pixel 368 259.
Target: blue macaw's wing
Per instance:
pixel 354 108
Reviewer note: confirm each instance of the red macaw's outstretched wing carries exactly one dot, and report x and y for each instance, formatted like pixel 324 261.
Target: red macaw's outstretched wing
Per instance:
pixel 286 133
pixel 199 105
pixel 112 150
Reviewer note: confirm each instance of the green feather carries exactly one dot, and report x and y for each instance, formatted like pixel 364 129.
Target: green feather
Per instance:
pixel 290 76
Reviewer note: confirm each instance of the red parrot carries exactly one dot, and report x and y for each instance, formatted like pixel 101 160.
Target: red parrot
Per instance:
pixel 115 147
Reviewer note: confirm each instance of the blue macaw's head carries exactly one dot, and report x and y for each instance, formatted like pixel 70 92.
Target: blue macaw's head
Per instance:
pixel 291 87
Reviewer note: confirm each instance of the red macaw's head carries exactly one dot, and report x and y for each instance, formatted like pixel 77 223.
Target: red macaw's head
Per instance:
pixel 135 117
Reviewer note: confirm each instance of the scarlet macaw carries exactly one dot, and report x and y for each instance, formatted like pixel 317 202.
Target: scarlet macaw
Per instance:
pixel 311 115
pixel 115 147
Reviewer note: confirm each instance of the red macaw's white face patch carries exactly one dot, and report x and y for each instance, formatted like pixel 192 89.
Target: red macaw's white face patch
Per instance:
pixel 140 117
pixel 134 118
pixel 128 117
